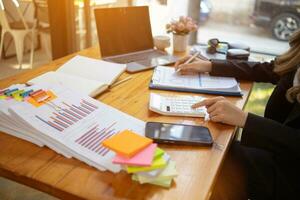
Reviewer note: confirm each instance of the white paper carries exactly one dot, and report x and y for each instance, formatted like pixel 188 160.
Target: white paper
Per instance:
pixel 83 85
pixel 217 82
pixel 93 69
pixel 167 76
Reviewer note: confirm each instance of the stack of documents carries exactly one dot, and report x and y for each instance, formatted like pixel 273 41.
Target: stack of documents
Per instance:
pixel 166 78
pixel 70 123
pixel 143 159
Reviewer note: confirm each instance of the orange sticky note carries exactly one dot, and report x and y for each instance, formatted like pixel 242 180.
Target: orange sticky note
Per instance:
pixel 127 143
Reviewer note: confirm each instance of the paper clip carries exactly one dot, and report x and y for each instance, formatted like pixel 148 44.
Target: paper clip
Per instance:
pixel 3 92
pixel 35 92
pixel 41 96
pixel 9 92
pixel 26 93
pixel 17 95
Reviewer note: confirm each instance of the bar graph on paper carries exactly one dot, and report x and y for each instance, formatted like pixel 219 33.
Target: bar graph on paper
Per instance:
pixel 68 114
pixel 93 137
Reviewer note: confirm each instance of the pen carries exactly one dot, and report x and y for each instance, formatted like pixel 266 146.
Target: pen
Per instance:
pixel 189 60
pixel 202 57
pixel 121 81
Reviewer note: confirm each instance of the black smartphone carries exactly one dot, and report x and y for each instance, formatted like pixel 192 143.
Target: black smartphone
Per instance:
pixel 178 134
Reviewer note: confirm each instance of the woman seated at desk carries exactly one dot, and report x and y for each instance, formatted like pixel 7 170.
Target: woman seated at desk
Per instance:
pixel 269 151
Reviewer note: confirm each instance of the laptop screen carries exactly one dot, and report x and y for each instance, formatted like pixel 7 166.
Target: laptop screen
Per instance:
pixel 123 30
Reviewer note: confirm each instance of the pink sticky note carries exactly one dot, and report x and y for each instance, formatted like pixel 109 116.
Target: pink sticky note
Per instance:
pixel 143 158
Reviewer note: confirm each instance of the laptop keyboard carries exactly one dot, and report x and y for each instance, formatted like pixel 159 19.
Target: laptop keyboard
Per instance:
pixel 137 57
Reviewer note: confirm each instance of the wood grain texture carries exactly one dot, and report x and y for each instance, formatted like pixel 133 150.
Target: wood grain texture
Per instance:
pixel 43 169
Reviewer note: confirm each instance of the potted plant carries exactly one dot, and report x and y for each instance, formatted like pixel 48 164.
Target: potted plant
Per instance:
pixel 180 29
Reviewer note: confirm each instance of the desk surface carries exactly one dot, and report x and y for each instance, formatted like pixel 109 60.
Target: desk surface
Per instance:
pixel 45 170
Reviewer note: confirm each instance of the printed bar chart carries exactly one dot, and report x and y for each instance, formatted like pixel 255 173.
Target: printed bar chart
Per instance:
pixel 92 139
pixel 68 115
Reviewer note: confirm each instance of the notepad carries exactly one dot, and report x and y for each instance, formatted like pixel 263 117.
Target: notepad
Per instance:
pixel 143 158
pixel 157 163
pixel 127 143
pixel 166 78
pixel 86 75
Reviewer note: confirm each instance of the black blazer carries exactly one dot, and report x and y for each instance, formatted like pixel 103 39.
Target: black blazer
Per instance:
pixel 278 131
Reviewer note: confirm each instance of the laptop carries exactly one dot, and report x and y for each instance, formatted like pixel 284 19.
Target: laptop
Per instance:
pixel 125 37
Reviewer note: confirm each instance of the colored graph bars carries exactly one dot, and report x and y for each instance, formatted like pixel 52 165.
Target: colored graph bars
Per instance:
pixel 92 139
pixel 68 115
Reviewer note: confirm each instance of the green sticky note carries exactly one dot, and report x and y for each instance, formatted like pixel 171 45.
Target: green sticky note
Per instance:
pixel 158 153
pixel 157 163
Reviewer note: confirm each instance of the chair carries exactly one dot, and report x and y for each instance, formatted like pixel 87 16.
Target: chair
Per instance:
pixel 43 26
pixel 19 30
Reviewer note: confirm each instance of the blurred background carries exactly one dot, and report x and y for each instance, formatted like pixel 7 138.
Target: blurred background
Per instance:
pixel 61 27
pixel 66 26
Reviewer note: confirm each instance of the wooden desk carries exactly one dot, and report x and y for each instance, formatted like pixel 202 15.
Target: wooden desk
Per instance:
pixel 43 169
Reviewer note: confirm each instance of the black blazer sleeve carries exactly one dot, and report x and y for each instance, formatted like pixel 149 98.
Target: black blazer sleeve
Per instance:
pixel 253 71
pixel 272 136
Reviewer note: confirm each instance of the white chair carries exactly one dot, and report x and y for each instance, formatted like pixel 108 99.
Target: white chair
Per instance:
pixel 43 26
pixel 18 30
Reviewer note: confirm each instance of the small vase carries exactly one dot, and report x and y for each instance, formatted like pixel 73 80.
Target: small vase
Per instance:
pixel 180 42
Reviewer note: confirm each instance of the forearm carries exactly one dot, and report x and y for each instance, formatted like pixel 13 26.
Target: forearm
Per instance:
pixel 254 71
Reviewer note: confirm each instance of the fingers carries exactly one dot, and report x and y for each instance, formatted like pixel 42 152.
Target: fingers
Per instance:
pixel 181 61
pixel 208 102
pixel 188 67
pixel 188 72
pixel 215 112
pixel 215 109
pixel 217 118
pixel 212 108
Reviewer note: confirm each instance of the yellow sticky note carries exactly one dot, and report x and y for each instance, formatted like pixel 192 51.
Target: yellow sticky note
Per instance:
pixel 127 143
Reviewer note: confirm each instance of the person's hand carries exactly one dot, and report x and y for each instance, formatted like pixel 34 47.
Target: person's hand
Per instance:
pixel 221 110
pixel 197 65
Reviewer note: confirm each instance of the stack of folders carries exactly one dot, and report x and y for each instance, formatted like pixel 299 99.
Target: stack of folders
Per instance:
pixel 143 159
pixel 68 122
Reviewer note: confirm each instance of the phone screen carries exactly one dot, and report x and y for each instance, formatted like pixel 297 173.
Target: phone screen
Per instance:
pixel 178 133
